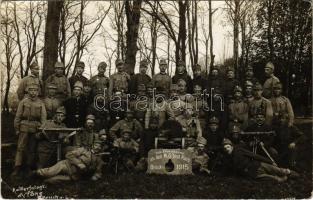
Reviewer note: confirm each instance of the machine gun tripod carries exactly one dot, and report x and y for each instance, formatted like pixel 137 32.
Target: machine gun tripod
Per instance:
pixel 256 142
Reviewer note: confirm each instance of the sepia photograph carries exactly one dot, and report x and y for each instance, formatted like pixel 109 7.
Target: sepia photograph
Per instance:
pixel 148 99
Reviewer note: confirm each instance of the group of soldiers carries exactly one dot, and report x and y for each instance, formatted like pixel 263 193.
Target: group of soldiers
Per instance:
pixel 125 113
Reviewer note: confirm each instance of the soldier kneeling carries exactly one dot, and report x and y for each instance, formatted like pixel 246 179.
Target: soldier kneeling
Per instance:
pixel 80 163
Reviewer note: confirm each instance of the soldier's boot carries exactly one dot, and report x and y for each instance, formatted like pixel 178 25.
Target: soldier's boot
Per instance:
pixel 16 172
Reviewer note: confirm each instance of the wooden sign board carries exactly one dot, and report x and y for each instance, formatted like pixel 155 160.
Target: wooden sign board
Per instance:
pixel 169 161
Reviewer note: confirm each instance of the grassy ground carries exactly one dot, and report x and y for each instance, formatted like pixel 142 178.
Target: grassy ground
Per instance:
pixel 152 186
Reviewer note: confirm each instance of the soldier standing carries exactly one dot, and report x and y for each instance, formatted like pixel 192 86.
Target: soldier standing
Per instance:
pixel 162 79
pixel 259 103
pixel 281 105
pixel 31 113
pixel 99 83
pixel 230 83
pixel 215 80
pixel 117 107
pixel 76 107
pixel 181 73
pixel 200 106
pixel 79 67
pixel 120 80
pixel 198 79
pixel 248 91
pixel 268 87
pixel 249 75
pixel 50 101
pixel 140 104
pixel 140 78
pixel 59 79
pixel 46 146
pixel 33 78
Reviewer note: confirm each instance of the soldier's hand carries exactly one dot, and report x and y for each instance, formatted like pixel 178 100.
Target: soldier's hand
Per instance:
pixel 292 145
pixel 66 140
pixel 17 133
pixel 274 164
pixel 81 166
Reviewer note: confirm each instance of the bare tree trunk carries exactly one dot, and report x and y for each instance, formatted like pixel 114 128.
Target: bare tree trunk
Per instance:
pixel 269 28
pixel 236 35
pixel 154 38
pixel 211 35
pixel 51 37
pixel 133 18
pixel 182 29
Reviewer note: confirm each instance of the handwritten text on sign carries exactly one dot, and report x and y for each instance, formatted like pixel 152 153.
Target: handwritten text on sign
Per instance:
pixel 169 161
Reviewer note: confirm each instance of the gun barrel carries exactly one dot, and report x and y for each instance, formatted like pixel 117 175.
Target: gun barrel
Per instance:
pixel 258 133
pixel 60 129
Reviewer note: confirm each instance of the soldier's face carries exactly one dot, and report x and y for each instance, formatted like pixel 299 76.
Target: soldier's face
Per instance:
pixel 52 92
pixel 228 149
pixel 101 70
pixel 214 72
pixel 181 88
pixel 126 136
pixel 249 74
pixel 268 71
pixel 163 68
pixel 197 91
pixel 260 119
pixel 237 95
pixel 258 93
pixel 120 67
pixel 59 117
pixel 90 124
pixel 150 92
pixel 77 92
pixel 197 72
pixel 277 92
pixel 230 75
pixel 87 89
pixel 153 126
pixel 248 90
pixel 35 71
pixel 58 71
pixel 181 69
pixel 201 148
pixel 33 92
pixel 189 112
pixel 129 116
pixel 79 70
pixel 213 127
pixel 143 70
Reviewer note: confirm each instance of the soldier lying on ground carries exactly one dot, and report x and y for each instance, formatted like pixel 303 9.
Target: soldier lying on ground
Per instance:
pixel 248 164
pixel 80 163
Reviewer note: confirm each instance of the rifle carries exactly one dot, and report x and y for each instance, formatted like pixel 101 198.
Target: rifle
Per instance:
pixel 69 131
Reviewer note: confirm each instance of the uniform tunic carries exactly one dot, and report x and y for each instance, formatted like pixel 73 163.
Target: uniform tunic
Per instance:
pixel 119 82
pixel 136 80
pixel 99 83
pixel 25 82
pixel 162 81
pixel 268 86
pixel 63 86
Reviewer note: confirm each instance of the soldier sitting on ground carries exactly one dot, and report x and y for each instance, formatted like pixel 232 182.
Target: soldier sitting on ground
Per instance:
pixel 199 158
pixel 127 149
pixel 80 163
pixel 245 163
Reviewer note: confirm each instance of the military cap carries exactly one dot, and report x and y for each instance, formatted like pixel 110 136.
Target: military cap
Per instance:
pixel 34 65
pixel 229 69
pixel 78 84
pixel 119 62
pixel 234 129
pixel 278 86
pixel 102 65
pixel 59 65
pixel 173 87
pixel 90 117
pixel 227 142
pixel 237 89
pixel 270 65
pixel 217 90
pixel 141 87
pixel 214 120
pixel 144 63
pixel 197 67
pixel 126 130
pixel 52 86
pixel 102 132
pixel 201 140
pixel 181 62
pixel 33 86
pixel 248 84
pixel 163 62
pixel 61 109
pixel 257 86
pixel 181 81
pixel 197 87
pixel 249 68
pixel 215 67
pixel 80 64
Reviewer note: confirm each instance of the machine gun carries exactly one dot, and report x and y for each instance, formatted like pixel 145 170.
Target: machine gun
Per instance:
pixel 69 132
pixel 256 142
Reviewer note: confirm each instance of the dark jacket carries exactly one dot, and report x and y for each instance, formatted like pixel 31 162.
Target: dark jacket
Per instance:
pixel 136 80
pixel 76 110
pixel 199 80
pixel 186 78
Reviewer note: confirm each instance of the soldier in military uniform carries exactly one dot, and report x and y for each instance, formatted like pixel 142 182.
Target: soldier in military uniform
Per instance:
pixel 120 80
pixel 260 103
pixel 181 73
pixel 99 82
pixel 60 80
pixel 249 75
pixel 175 104
pixel 248 91
pixel 148 136
pixel 200 158
pixel 239 109
pixel 76 107
pixel 80 163
pixel 234 135
pixel 200 106
pixel 89 137
pixel 288 139
pixel 33 78
pixel 230 83
pixel 79 69
pixel 268 87
pixel 87 93
pixel 50 101
pixel 31 113
pixel 140 104
pixel 215 80
pixel 47 147
pixel 117 107
pixel 198 78
pixel 128 149
pixel 127 123
pixel 140 78
pixel 216 103
pixel 213 134
pixel 281 105
pixel 190 124
pixel 162 79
